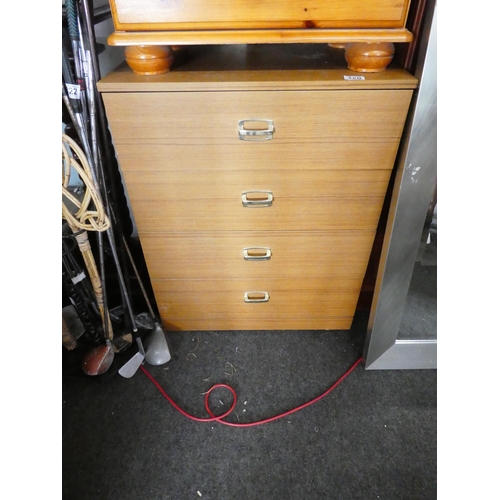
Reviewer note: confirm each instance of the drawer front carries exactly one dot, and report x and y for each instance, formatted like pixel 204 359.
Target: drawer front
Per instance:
pixel 264 300
pixel 200 14
pixel 329 260
pixel 213 117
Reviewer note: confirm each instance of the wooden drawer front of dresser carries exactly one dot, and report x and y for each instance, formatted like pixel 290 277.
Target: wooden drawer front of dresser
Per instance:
pixel 338 258
pixel 173 198
pixel 214 201
pixel 298 116
pixel 200 14
pixel 251 300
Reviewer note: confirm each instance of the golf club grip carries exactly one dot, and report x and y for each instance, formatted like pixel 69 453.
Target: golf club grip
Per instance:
pixel 72 19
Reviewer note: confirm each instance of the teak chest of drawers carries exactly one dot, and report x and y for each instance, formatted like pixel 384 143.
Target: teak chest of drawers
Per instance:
pixel 256 193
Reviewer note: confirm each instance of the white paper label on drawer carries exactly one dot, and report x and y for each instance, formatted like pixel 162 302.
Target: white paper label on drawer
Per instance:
pixel 349 77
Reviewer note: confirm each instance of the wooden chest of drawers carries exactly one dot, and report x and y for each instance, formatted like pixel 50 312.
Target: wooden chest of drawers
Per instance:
pixel 150 29
pixel 144 15
pixel 256 193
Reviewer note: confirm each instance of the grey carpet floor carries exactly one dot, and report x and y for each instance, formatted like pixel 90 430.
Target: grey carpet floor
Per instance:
pixel 374 436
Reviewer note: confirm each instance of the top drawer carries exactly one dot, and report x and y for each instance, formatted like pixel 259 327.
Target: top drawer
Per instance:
pixel 213 117
pixel 200 14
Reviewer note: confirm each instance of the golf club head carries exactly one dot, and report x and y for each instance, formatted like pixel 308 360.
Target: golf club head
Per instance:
pixel 98 360
pixel 157 351
pixel 144 321
pixel 129 369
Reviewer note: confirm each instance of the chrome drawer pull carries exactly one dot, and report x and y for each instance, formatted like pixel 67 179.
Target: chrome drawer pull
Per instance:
pixel 257 253
pixel 256 134
pixel 257 198
pixel 256 297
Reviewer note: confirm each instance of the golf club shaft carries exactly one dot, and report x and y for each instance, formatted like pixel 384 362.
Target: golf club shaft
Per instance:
pixel 91 147
pixel 88 38
pixel 136 272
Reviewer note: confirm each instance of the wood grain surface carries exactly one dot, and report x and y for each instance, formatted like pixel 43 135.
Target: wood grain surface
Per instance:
pixel 199 14
pixel 305 116
pixel 337 257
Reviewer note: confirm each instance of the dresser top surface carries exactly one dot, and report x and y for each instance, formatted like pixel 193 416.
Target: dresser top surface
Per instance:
pixel 257 67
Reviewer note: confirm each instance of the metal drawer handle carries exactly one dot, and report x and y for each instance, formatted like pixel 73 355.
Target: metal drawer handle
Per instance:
pixel 257 253
pixel 256 297
pixel 257 198
pixel 255 134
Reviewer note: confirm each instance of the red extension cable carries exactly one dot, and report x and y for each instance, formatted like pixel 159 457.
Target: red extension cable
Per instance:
pixel 230 389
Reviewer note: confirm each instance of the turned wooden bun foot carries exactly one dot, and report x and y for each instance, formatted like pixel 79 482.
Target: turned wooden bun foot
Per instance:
pixel 149 60
pixel 337 45
pixel 368 57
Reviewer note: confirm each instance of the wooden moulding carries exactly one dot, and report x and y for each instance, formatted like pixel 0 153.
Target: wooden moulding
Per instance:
pixel 152 53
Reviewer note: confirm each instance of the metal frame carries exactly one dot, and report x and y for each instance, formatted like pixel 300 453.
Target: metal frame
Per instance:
pixel 415 181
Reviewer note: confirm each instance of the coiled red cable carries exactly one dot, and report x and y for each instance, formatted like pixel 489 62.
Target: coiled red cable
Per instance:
pixel 220 418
